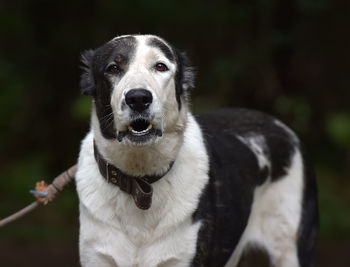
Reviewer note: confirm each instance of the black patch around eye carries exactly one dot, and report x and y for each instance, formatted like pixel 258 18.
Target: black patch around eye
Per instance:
pixel 114 69
pixel 117 52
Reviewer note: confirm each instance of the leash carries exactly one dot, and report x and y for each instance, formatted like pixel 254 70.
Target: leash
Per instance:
pixel 44 194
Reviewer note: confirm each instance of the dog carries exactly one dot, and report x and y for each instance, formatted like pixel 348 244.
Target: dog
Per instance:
pixel 159 186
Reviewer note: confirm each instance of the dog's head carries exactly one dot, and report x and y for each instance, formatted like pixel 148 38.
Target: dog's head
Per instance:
pixel 140 86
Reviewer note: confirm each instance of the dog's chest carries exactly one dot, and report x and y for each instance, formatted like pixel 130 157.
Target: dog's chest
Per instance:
pixel 164 235
pixel 135 241
pixel 113 231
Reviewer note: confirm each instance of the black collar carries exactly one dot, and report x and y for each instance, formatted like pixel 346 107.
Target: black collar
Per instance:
pixel 139 187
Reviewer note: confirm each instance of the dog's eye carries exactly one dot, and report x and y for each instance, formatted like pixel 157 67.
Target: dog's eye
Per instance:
pixel 161 67
pixel 114 68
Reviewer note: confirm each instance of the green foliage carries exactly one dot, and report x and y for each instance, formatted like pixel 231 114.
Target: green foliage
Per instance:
pixel 313 6
pixel 25 173
pixel 338 128
pixel 298 109
pixel 334 204
pixel 81 108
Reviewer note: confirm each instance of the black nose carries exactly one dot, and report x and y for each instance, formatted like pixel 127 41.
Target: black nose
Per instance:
pixel 138 99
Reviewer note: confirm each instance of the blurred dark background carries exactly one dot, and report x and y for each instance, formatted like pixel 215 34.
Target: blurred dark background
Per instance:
pixel 290 58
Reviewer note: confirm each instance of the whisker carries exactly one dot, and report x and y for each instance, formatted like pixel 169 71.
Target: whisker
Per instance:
pixel 106 117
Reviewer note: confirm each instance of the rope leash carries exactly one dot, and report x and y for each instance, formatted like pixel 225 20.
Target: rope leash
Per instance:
pixel 44 194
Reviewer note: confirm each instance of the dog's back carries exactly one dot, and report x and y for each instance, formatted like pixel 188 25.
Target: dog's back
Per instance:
pixel 261 198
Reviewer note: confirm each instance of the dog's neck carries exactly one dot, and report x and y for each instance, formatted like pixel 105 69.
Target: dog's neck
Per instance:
pixel 152 159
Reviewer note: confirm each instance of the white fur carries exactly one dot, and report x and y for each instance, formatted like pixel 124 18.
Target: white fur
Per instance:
pixel 114 232
pixel 257 145
pixel 275 216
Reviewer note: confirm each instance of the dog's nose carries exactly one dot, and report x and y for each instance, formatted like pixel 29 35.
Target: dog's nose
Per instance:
pixel 138 99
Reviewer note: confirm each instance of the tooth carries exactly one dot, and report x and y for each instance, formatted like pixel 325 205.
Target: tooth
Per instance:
pixel 130 128
pixel 149 126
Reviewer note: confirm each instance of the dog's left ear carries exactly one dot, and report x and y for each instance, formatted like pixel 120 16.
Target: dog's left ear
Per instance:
pixel 185 74
pixel 87 81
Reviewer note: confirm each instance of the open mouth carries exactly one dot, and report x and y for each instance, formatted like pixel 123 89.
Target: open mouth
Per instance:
pixel 139 131
pixel 140 127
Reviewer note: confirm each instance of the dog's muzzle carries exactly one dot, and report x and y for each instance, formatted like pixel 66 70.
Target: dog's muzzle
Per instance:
pixel 140 129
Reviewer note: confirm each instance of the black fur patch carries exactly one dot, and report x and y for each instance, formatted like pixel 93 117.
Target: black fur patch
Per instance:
pixel 95 81
pixel 87 82
pixel 184 77
pixel 225 204
pixel 155 42
pixel 253 256
pixel 309 218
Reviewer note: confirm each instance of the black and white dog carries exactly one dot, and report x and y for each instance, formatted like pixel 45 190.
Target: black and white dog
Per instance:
pixel 160 187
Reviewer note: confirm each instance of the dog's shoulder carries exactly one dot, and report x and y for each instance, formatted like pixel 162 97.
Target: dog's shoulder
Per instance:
pixel 249 139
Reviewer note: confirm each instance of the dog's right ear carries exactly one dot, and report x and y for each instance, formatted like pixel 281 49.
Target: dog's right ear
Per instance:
pixel 87 81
